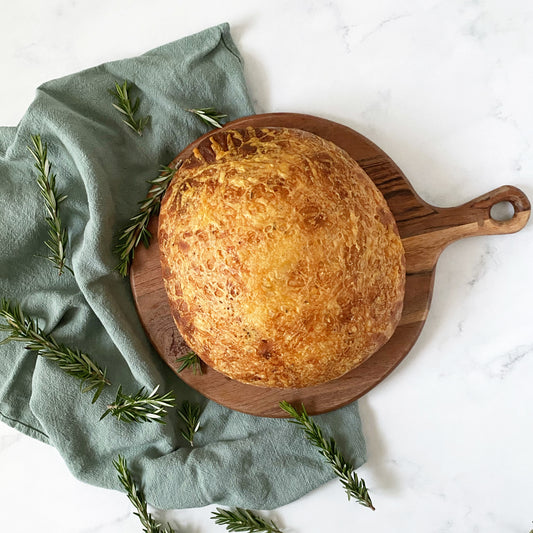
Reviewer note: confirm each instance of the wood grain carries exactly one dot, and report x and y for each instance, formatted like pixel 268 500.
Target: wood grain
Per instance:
pixel 425 231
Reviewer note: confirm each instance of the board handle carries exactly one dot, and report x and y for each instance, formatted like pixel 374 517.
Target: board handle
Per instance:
pixel 448 224
pixel 479 210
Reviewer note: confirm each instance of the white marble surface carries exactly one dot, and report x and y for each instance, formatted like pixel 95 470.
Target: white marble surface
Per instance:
pixel 446 88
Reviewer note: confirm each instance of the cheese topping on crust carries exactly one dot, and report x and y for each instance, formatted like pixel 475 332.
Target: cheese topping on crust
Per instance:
pixel 281 259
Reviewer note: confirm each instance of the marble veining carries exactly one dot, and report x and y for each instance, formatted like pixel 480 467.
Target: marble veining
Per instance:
pixel 115 524
pixel 509 361
pixel 482 265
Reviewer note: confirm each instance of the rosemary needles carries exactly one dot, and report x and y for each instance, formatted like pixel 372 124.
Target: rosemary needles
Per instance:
pixel 353 486
pixel 46 180
pixel 209 115
pixel 190 360
pixel 239 519
pixel 25 329
pixel 137 230
pixel 141 407
pixel 124 105
pixel 137 498
pixel 190 414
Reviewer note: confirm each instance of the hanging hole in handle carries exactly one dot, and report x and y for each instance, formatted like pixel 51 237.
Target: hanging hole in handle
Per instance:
pixel 502 211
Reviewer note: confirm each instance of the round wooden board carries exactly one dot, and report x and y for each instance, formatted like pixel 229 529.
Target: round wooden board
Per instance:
pixel 425 231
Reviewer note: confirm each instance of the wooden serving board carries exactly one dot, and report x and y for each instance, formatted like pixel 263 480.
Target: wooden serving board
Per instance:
pixel 425 231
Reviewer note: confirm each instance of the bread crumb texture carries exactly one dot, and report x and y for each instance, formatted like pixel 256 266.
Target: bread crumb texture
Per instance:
pixel 281 259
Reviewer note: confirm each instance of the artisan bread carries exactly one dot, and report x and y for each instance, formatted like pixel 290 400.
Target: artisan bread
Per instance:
pixel 280 257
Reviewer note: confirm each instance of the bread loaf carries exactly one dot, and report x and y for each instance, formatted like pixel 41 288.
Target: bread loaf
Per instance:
pixel 280 257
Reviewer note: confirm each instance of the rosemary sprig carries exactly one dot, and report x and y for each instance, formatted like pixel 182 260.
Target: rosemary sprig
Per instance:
pixel 190 414
pixel 190 360
pixel 46 180
pixel 209 115
pixel 75 363
pixel 140 407
pixel 137 230
pixel 240 519
pixel 328 449
pixel 137 498
pixel 123 105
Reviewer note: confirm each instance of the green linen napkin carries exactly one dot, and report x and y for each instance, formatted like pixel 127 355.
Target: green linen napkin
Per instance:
pixel 103 167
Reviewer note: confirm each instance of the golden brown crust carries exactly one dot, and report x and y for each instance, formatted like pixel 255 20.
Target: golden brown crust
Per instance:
pixel 281 259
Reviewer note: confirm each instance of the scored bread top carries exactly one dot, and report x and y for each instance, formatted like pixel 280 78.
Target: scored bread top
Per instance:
pixel 280 257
